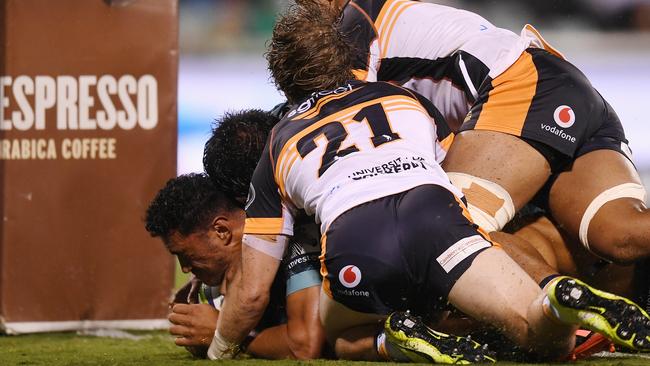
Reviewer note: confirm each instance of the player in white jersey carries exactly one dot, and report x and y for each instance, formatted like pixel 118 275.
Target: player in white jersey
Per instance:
pixel 530 123
pixel 396 233
pixel 443 53
pixel 461 62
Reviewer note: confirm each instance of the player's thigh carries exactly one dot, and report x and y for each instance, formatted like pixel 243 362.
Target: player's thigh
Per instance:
pixel 592 174
pixel 337 318
pixel 494 289
pixel 500 158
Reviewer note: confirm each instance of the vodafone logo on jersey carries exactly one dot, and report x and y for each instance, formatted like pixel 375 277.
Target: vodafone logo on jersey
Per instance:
pixel 350 276
pixel 564 116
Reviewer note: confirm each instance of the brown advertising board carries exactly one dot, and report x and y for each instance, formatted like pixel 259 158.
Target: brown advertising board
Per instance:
pixel 87 136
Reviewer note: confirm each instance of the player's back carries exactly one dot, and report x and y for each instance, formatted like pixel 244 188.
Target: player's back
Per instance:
pixel 340 148
pixel 444 53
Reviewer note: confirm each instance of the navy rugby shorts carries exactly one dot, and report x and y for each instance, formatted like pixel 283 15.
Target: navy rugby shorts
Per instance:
pixel 401 252
pixel 549 103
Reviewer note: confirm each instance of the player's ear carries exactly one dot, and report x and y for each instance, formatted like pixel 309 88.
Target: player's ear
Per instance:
pixel 221 227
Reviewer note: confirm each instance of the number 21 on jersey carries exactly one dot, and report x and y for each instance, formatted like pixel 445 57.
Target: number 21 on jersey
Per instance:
pixel 335 133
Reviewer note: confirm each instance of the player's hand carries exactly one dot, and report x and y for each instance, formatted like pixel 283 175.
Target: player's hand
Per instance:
pixel 188 294
pixel 194 324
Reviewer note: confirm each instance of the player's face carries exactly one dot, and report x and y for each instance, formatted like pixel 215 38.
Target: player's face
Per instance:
pixel 203 254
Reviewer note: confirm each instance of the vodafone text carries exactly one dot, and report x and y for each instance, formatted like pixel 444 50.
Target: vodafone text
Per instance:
pixel 558 132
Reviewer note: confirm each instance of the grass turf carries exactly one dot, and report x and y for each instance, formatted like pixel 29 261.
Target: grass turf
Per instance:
pixel 157 348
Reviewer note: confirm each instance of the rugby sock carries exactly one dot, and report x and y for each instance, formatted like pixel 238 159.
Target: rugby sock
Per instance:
pixel 380 345
pixel 547 279
pixel 548 308
pixel 551 312
pixel 388 351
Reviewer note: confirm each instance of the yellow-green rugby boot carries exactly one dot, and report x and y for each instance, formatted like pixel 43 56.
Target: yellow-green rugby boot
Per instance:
pixel 616 317
pixel 409 335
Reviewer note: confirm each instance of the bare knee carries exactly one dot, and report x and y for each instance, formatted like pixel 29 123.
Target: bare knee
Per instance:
pixel 619 248
pixel 621 232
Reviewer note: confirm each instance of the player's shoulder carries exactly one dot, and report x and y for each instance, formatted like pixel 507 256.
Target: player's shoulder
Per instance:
pixel 322 103
pixel 384 89
pixel 329 103
pixel 368 9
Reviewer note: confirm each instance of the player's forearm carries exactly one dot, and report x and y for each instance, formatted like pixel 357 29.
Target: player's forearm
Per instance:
pixel 242 310
pixel 240 318
pixel 247 299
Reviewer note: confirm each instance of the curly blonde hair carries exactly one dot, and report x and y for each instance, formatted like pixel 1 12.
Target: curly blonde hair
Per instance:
pixel 308 53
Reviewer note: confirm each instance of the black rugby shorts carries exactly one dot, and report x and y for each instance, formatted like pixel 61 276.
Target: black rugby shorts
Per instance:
pixel 401 252
pixel 549 103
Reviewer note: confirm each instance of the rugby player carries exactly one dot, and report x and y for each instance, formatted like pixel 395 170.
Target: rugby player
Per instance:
pixel 529 123
pixel 364 159
pixel 203 228
pixel 232 171
pixel 234 148
pixel 565 255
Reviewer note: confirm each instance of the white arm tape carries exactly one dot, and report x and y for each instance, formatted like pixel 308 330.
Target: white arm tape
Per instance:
pixel 490 205
pixel 626 190
pixel 221 349
pixel 274 249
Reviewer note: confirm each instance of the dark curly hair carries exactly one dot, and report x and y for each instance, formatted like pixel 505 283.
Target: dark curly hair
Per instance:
pixel 232 152
pixel 308 53
pixel 186 204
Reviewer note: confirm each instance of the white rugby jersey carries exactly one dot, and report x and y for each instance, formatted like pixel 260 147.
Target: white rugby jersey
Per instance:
pixel 443 53
pixel 344 147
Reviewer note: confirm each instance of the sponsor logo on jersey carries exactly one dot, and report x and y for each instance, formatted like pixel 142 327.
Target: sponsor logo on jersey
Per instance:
pixel 304 262
pixel 558 132
pixel 394 166
pixel 311 101
pixel 564 116
pixel 350 276
pixel 462 249
pixel 350 292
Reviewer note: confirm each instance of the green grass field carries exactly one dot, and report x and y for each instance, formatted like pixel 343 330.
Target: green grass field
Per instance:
pixel 157 348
